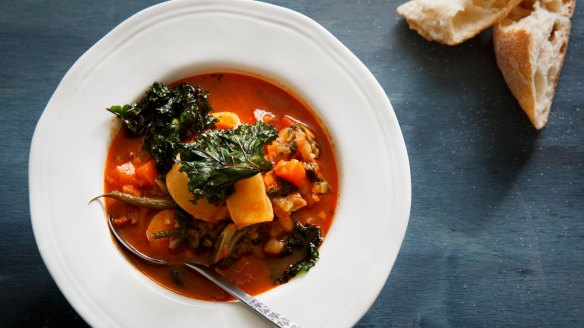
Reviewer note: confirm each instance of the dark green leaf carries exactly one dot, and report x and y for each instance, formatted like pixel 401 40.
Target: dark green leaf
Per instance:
pixel 165 117
pixel 305 239
pixel 219 158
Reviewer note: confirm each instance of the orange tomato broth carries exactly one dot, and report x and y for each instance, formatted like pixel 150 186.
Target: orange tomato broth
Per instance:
pixel 229 92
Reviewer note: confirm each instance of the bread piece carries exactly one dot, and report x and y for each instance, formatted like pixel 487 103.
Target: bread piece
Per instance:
pixel 453 21
pixel 530 45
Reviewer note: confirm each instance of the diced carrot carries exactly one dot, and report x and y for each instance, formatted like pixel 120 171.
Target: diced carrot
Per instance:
pixel 146 174
pixel 292 171
pixel 286 122
pixel 161 221
pixel 276 152
pixel 129 189
pixel 126 174
pixel 271 152
pixel 227 120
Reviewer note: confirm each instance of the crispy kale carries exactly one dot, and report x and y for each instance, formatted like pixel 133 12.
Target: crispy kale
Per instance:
pixel 219 158
pixel 305 239
pixel 164 117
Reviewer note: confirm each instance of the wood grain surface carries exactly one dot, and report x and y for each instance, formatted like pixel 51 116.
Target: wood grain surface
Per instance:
pixel 496 232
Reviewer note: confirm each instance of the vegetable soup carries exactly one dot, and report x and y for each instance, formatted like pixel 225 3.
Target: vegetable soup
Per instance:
pixel 223 169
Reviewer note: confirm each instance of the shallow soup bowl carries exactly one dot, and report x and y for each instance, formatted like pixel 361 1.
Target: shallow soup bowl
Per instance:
pixel 178 39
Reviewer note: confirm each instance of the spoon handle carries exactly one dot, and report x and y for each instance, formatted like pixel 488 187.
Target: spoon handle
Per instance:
pixel 261 309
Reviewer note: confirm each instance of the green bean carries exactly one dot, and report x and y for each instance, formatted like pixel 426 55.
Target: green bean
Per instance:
pixel 154 203
pixel 172 232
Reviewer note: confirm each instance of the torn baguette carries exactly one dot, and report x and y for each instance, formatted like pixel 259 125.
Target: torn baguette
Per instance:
pixel 530 45
pixel 453 21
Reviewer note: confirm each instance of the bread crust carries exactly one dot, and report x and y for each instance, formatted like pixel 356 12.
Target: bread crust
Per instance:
pixel 512 52
pixel 437 26
pixel 517 57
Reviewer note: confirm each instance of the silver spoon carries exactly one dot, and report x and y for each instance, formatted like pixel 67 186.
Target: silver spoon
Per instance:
pixel 258 307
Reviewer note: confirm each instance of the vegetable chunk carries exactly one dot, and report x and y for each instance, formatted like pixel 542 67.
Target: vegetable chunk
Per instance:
pixel 177 184
pixel 163 220
pixel 250 203
pixel 226 120
pixel 291 171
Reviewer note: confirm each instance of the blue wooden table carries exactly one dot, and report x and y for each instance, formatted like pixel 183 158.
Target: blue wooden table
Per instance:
pixel 496 232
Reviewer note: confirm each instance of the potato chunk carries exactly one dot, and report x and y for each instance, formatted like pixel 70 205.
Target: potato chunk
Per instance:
pixel 177 184
pixel 250 203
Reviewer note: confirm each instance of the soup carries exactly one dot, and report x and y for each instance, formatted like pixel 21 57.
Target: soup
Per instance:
pixel 248 175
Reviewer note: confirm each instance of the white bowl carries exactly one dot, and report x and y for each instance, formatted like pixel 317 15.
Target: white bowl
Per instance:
pixel 181 38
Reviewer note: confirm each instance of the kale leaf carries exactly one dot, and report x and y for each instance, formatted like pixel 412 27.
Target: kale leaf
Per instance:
pixel 227 243
pixel 219 158
pixel 164 117
pixel 303 238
